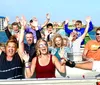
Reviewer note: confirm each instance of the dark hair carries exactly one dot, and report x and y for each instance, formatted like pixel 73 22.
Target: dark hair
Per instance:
pixel 29 33
pixel 49 24
pixel 14 23
pixel 79 21
pixel 31 21
pixel 97 29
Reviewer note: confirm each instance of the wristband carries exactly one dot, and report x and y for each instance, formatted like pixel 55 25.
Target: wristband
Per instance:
pixel 27 66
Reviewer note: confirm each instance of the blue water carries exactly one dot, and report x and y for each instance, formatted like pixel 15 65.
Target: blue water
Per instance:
pixel 3 37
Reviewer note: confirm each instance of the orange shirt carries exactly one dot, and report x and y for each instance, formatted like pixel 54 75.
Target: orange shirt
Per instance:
pixel 93 51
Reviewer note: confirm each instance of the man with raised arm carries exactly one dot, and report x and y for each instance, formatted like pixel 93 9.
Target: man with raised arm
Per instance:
pixel 78 28
pixel 34 26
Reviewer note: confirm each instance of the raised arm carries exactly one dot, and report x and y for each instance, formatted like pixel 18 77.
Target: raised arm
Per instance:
pixel 90 26
pixel 21 38
pixel 47 20
pixel 87 27
pixel 67 30
pixel 8 33
pixel 29 69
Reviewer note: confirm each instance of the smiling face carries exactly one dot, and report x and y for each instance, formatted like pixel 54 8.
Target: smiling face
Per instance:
pixel 42 47
pixel 58 42
pixel 98 35
pixel 50 28
pixel 74 35
pixel 29 38
pixel 11 49
pixel 78 24
pixel 15 28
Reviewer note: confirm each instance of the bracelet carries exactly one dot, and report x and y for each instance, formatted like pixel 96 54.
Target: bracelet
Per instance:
pixel 27 66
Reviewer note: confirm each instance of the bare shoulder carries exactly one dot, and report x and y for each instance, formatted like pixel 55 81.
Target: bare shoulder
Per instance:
pixel 34 60
pixel 54 58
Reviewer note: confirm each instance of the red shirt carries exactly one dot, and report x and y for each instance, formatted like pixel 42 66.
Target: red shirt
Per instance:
pixel 47 71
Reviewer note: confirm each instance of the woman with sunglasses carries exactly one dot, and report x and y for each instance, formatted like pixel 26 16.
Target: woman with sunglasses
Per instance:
pixel 44 64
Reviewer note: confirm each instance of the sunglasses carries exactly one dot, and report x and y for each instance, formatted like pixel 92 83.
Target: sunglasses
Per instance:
pixel 42 45
pixel 97 33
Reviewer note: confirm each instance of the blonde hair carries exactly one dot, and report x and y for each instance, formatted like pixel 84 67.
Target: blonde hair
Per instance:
pixel 37 47
pixel 57 36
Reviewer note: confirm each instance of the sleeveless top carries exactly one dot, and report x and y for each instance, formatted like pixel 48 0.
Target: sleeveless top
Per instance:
pixel 11 69
pixel 47 71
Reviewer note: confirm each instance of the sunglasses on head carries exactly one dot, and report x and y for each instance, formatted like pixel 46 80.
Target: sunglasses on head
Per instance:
pixel 42 45
pixel 97 33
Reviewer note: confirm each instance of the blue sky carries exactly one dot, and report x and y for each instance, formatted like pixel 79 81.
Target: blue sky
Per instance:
pixel 59 10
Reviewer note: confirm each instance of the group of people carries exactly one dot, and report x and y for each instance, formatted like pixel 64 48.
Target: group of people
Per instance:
pixel 45 49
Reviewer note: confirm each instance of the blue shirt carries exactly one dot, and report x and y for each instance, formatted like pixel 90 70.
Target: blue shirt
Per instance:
pixel 80 31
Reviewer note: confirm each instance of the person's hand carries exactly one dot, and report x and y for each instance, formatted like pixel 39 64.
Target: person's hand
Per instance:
pixel 61 52
pixel 35 22
pixel 48 16
pixel 73 21
pixel 25 56
pixel 88 19
pixel 90 59
pixel 6 21
pixel 67 21
pixel 63 61
pixel 70 63
pixel 23 21
pixel 17 19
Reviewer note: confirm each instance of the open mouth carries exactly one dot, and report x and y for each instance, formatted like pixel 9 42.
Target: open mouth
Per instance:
pixel 43 49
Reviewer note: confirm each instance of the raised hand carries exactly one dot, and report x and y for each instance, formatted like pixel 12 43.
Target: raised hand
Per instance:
pixel 67 21
pixel 6 21
pixel 47 16
pixel 35 22
pixel 88 19
pixel 25 56
pixel 61 52
pixel 73 21
pixel 17 19
pixel 23 21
